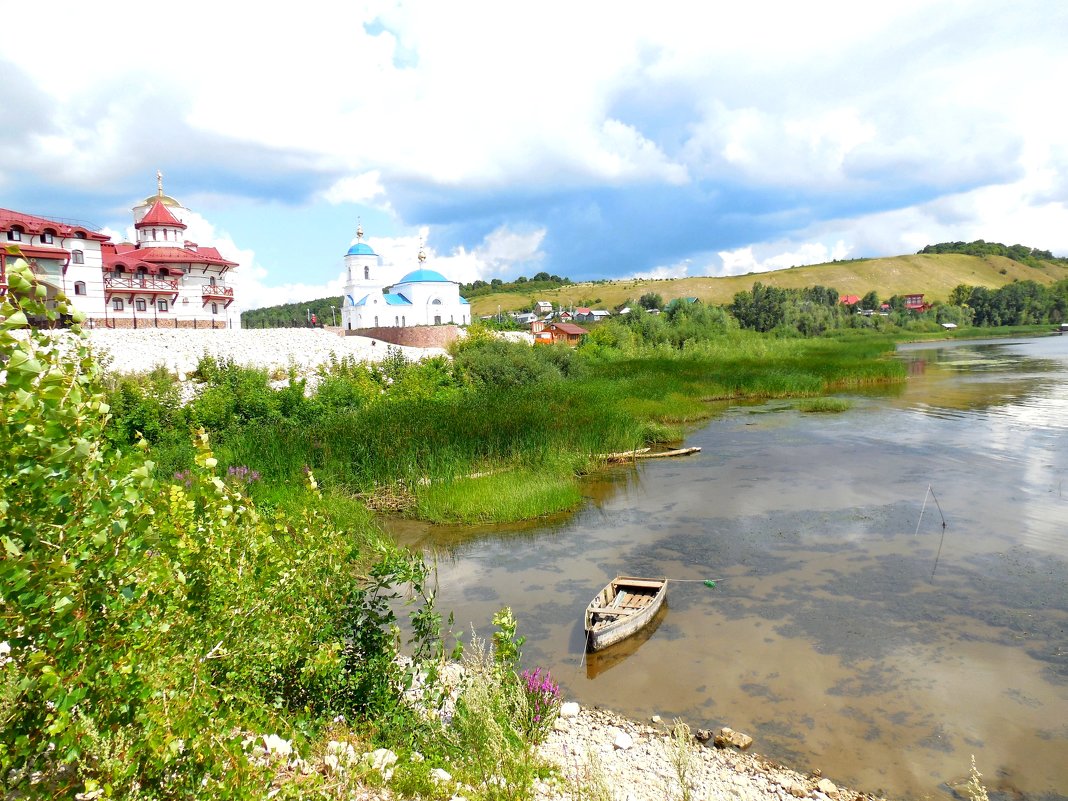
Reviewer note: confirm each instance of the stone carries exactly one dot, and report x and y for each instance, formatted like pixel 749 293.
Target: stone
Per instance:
pixel 795 789
pixel 382 760
pixel 276 746
pixel 728 737
pixel 569 709
pixel 656 718
pixel 440 775
pixel 828 788
pixel 622 741
pixel 703 735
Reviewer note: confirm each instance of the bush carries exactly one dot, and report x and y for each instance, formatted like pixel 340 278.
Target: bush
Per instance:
pixel 152 625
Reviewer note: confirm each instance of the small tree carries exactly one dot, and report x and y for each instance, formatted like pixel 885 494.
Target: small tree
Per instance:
pixel 651 300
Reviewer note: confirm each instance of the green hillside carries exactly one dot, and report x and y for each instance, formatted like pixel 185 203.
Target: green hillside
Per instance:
pixel 935 275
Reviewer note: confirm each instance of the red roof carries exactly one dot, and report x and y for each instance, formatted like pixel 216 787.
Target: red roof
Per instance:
pixel 849 300
pixel 582 310
pixel 159 215
pixel 36 225
pixel 43 252
pixel 128 255
pixel 569 328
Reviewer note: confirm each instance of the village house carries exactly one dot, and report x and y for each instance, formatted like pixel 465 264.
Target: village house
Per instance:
pixel 560 333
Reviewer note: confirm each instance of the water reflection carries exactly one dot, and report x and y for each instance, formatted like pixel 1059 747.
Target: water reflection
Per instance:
pixel 828 639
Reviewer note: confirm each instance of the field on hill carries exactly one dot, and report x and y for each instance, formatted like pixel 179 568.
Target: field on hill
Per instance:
pixel 935 275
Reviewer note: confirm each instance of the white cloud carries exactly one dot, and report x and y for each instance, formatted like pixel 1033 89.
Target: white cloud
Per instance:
pixel 678 270
pixel 363 188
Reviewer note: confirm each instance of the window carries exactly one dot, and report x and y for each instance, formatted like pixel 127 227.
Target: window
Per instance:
pixel 162 305
pixel 403 322
pixel 153 234
pixel 211 280
pixel 14 235
pixel 46 238
pixel 437 319
pixel 140 305
pixel 376 321
pixel 366 273
pixel 435 302
pixel 78 256
pixel 79 287
pixel 116 304
pixel 214 308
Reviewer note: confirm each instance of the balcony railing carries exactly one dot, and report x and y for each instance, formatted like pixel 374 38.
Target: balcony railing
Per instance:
pixel 114 284
pixel 214 292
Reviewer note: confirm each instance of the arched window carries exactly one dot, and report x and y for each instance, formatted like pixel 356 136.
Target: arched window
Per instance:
pixel 78 256
pixel 47 237
pixel 14 235
pixel 116 304
pixel 79 286
pixel 366 273
pixel 436 302
pixel 376 321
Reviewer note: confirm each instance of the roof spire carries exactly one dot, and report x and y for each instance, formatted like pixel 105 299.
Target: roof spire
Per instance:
pixel 159 183
pixel 422 253
pixel 359 230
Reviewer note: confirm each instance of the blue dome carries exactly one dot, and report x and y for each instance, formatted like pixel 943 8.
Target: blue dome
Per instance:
pixel 423 276
pixel 360 249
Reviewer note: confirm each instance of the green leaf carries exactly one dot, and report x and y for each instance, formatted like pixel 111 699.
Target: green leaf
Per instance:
pixel 16 320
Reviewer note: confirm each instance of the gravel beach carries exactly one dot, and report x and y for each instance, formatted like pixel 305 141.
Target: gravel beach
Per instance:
pixel 638 762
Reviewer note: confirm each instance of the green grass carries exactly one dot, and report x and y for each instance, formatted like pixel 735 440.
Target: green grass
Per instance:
pixel 514 495
pixel 824 405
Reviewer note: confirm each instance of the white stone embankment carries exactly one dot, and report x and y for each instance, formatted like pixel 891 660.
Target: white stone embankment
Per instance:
pixel 637 763
pixel 274 349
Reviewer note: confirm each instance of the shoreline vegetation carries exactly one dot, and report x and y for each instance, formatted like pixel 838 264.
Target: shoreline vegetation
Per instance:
pixel 194 595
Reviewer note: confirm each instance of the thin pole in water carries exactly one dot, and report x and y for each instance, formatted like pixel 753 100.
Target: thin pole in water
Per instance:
pixel 941 541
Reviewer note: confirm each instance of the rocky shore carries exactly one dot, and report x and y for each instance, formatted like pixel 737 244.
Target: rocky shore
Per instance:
pixel 637 762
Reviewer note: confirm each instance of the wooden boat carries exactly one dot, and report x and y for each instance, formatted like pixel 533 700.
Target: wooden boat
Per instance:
pixel 623 607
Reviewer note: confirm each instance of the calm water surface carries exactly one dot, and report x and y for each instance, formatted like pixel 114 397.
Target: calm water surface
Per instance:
pixel 841 637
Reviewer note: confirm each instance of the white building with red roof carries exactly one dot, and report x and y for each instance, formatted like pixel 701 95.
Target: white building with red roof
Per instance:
pixel 161 281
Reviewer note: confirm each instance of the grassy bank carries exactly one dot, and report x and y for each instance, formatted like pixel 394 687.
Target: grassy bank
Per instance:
pixel 503 432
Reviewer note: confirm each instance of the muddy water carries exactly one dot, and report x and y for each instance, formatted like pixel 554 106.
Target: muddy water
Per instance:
pixel 847 633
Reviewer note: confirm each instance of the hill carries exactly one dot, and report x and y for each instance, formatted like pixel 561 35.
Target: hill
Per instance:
pixel 935 275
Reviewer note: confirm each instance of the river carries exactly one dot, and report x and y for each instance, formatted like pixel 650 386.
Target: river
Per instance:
pixel 847 632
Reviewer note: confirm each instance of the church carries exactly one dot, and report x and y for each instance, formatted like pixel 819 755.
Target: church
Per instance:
pixel 422 297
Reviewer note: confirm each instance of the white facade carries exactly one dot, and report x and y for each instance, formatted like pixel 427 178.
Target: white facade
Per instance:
pixel 422 297
pixel 161 281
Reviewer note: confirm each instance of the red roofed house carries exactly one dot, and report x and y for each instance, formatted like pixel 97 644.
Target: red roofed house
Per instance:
pixel 916 303
pixel 162 281
pixel 849 300
pixel 566 333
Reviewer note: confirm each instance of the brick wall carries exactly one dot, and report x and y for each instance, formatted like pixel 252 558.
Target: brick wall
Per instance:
pixel 421 336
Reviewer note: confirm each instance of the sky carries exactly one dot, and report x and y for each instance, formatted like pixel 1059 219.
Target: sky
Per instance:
pixel 594 140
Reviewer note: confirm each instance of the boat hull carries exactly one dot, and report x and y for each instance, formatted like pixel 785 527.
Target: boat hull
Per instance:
pixel 624 607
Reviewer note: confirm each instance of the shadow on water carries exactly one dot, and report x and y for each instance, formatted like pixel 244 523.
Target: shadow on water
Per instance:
pixel 604 660
pixel 829 639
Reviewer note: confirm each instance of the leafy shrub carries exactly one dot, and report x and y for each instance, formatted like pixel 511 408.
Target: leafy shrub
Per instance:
pixel 500 364
pixel 150 625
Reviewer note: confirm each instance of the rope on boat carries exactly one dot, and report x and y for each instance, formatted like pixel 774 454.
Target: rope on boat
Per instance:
pixel 710 583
